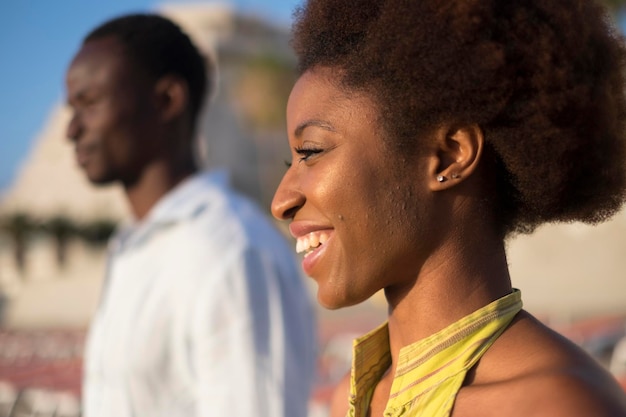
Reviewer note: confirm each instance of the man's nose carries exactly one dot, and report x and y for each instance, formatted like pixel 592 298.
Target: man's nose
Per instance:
pixel 74 127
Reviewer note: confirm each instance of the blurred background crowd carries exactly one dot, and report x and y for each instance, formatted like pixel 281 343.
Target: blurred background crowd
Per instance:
pixel 54 226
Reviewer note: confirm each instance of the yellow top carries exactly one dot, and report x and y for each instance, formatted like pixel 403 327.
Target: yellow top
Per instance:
pixel 431 371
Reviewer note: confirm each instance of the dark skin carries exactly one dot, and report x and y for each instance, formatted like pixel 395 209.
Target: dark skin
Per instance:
pixel 128 126
pixel 529 371
pixel 437 262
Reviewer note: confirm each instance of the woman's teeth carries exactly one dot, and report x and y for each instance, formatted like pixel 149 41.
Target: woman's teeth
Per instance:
pixel 311 241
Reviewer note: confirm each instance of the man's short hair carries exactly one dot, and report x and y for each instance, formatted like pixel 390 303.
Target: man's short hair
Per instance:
pixel 161 48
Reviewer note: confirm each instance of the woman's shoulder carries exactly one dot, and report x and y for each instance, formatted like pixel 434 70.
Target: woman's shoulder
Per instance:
pixel 533 371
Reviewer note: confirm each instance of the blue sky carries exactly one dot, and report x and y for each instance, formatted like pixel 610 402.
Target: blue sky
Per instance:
pixel 37 40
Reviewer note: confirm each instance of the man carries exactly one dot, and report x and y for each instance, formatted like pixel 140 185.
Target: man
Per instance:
pixel 203 311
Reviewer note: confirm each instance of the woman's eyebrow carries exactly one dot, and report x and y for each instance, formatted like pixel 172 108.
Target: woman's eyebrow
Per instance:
pixel 312 122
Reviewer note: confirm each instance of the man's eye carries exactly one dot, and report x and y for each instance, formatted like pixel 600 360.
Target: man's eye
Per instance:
pixel 90 102
pixel 306 153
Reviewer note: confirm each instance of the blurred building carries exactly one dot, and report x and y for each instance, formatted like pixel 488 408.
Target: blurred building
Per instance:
pixel 55 224
pixel 572 271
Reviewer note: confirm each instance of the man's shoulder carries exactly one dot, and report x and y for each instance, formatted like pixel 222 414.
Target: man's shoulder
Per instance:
pixel 228 212
pixel 229 226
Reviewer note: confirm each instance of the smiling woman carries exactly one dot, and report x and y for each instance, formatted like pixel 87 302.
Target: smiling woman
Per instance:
pixel 423 135
pixel 344 172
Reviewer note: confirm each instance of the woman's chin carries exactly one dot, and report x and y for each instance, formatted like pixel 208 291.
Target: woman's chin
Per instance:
pixel 335 301
pixel 328 302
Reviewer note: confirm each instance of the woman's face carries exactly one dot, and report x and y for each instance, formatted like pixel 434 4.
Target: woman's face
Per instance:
pixel 358 208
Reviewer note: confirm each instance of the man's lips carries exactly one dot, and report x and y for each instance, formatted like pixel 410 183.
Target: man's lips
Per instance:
pixel 84 153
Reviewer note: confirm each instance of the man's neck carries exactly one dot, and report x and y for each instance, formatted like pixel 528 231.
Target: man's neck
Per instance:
pixel 155 182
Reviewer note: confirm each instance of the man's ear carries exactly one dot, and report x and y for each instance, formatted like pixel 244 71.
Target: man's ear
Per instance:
pixel 172 95
pixel 458 150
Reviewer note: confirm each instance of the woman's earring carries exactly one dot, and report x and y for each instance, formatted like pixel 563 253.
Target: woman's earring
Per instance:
pixel 454 175
pixel 441 178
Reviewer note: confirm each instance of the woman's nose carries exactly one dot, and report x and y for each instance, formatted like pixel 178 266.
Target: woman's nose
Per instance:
pixel 288 199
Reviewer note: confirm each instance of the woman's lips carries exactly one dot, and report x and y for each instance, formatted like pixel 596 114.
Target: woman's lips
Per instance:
pixel 312 240
pixel 313 256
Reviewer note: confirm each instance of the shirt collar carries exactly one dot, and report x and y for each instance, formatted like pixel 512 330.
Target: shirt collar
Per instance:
pixel 371 358
pixel 188 198
pixel 185 201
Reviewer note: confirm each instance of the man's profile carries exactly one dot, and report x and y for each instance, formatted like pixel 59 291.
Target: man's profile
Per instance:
pixel 203 311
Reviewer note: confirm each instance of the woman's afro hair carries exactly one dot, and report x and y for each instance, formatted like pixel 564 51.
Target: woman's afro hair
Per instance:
pixel 543 80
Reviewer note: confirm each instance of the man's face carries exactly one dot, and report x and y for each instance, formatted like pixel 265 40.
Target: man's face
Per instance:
pixel 114 113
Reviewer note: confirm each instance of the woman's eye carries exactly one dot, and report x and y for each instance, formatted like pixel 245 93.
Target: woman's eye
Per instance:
pixel 306 153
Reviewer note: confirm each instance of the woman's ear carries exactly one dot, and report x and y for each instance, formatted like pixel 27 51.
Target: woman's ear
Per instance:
pixel 172 96
pixel 457 154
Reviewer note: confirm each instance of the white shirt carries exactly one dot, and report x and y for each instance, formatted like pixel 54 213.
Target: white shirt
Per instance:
pixel 204 312
pixel 617 365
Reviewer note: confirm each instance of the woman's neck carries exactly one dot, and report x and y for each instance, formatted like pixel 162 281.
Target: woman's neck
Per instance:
pixel 462 276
